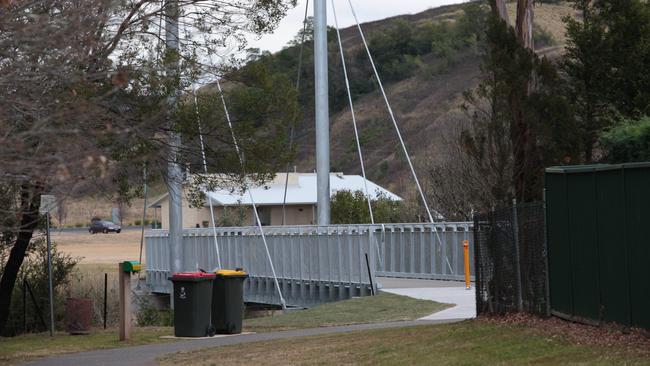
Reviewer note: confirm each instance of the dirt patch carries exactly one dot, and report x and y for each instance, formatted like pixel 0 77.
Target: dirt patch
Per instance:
pixel 636 341
pixel 99 248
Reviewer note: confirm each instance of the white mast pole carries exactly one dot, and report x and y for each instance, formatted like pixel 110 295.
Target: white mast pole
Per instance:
pixel 322 113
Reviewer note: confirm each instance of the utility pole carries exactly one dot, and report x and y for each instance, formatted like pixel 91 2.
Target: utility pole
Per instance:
pixel 49 272
pixel 174 172
pixel 48 204
pixel 322 113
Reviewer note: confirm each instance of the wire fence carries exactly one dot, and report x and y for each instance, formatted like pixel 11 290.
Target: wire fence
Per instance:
pixel 511 260
pixel 30 311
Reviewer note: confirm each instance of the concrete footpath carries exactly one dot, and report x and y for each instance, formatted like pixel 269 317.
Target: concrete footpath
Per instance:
pixel 449 292
pixel 146 355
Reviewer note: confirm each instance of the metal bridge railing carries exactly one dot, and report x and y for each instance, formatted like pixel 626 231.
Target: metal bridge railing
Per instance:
pixel 416 251
pixel 315 264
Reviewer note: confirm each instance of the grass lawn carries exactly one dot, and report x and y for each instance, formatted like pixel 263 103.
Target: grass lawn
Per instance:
pixel 384 307
pixel 371 309
pixel 27 347
pixel 475 342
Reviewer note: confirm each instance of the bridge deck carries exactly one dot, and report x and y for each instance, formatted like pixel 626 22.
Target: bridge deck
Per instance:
pixel 316 264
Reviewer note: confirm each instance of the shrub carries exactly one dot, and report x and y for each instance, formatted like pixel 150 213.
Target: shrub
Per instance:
pixel 150 315
pixel 34 270
pixel 349 207
pixel 628 142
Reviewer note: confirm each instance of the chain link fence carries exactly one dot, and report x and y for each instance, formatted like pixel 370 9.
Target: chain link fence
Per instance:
pixel 510 260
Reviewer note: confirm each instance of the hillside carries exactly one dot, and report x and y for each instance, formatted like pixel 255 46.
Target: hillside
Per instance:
pixel 423 100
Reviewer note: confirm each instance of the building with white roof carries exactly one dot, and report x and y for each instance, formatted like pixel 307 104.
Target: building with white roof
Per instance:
pixel 234 207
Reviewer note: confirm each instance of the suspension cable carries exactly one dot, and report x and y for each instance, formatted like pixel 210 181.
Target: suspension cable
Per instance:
pixel 291 133
pixel 205 170
pixel 399 134
pixel 354 119
pixel 392 115
pixel 240 155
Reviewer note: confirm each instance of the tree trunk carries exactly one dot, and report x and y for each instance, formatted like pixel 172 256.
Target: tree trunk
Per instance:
pixel 499 9
pixel 524 23
pixel 30 201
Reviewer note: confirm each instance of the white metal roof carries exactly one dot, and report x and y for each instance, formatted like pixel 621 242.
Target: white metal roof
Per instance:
pixel 300 190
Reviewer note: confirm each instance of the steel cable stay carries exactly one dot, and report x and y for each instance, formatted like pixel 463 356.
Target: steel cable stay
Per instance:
pixel 205 170
pixel 240 155
pixel 354 119
pixel 397 130
pixel 291 134
pixel 354 125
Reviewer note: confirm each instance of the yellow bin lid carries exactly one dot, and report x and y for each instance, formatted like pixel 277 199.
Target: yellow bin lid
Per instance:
pixel 231 272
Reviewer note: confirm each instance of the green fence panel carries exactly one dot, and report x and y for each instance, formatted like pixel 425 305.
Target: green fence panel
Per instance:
pixel 599 242
pixel 584 247
pixel 637 186
pixel 613 274
pixel 559 250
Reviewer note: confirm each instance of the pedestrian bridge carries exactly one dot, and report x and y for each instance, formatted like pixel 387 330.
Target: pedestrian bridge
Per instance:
pixel 316 264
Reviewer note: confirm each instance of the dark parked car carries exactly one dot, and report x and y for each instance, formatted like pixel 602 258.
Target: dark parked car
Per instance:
pixel 103 226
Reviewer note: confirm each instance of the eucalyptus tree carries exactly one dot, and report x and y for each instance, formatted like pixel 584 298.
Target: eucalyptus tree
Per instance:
pixel 84 88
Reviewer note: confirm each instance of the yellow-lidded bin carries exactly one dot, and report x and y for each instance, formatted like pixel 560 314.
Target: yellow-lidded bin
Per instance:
pixel 228 300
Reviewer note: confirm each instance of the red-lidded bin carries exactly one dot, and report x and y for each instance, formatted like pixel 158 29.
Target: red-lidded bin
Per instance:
pixel 192 300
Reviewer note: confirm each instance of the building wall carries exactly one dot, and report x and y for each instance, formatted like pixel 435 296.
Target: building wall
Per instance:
pixel 296 215
pixel 191 216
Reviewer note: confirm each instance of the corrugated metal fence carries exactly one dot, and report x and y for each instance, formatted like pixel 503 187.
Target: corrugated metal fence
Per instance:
pixel 315 264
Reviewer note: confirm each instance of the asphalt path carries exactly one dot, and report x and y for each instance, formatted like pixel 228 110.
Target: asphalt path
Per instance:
pixel 147 354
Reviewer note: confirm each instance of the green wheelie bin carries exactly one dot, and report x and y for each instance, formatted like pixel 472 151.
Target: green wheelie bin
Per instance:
pixel 192 297
pixel 228 301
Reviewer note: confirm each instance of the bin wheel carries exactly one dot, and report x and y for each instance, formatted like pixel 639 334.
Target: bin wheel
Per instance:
pixel 211 331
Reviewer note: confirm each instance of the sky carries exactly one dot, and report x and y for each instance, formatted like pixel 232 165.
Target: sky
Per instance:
pixel 366 10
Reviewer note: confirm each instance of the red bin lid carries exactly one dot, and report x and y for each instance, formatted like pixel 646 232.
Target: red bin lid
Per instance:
pixel 192 275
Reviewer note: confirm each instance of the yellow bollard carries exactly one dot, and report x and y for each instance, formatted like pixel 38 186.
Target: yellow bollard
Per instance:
pixel 466 255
